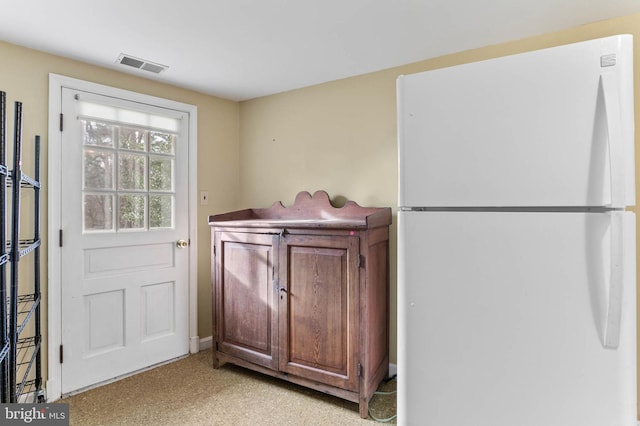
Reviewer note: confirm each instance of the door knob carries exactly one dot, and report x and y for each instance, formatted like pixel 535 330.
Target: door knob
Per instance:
pixel 182 243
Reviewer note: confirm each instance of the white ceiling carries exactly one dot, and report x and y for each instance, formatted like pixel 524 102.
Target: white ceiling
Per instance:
pixel 242 49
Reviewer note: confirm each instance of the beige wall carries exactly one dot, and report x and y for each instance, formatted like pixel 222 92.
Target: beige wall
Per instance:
pixel 341 136
pixel 24 75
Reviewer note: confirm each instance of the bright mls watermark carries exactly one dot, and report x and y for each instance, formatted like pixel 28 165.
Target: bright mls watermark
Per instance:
pixel 34 414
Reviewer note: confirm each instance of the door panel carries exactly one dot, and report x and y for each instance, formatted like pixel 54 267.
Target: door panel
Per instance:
pixel 319 308
pixel 245 311
pixel 540 128
pixel 124 281
pixel 502 319
pixel 157 310
pixel 103 319
pixel 128 259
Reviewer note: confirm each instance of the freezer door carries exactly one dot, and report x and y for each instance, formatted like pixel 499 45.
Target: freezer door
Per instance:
pixel 552 127
pixel 516 319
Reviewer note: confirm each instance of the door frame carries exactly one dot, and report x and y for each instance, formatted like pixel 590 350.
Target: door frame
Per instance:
pixel 54 257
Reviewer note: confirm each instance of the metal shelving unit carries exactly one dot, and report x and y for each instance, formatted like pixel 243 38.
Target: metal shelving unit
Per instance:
pixel 20 358
pixel 4 257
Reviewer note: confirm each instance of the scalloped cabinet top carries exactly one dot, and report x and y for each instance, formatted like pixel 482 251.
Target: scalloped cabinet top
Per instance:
pixel 307 211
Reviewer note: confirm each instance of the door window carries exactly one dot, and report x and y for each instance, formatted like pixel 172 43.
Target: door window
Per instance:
pixel 128 170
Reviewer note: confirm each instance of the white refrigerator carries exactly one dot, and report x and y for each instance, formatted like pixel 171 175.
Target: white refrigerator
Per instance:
pixel 516 254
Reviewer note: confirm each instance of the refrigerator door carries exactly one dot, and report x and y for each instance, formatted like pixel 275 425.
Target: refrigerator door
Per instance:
pixel 552 127
pixel 516 319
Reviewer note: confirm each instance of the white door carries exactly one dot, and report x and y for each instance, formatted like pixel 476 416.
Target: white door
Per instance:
pixel 124 218
pixel 516 318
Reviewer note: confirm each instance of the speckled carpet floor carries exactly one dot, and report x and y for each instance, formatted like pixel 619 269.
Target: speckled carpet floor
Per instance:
pixel 190 392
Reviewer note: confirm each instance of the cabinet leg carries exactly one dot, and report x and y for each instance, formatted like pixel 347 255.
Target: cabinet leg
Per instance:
pixel 364 408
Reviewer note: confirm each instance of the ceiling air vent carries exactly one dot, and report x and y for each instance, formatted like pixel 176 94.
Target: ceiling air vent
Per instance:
pixel 141 64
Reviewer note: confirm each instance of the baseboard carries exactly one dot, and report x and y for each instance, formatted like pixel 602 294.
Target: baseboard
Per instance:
pixel 50 397
pixel 206 343
pixel 194 345
pixel 393 370
pixel 31 397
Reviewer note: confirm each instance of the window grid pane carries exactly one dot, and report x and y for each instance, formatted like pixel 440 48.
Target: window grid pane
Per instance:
pixel 132 211
pixel 98 212
pixel 160 173
pixel 161 211
pixel 132 139
pixel 97 133
pixel 162 143
pixel 129 185
pixel 132 171
pixel 98 169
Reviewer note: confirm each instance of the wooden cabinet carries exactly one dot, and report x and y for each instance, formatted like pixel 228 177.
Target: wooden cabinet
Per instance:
pixel 301 293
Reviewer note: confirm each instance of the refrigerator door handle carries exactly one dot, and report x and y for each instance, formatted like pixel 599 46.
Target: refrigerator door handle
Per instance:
pixel 611 96
pixel 616 280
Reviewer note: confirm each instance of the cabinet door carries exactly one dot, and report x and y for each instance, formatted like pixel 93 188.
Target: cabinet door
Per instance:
pixel 319 307
pixel 246 319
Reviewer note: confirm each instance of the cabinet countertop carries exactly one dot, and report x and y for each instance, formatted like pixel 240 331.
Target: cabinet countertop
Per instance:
pixel 307 212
